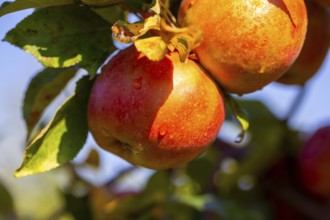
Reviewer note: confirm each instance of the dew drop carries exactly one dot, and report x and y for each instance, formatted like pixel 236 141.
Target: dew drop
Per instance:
pixel 238 139
pixel 162 132
pixel 137 83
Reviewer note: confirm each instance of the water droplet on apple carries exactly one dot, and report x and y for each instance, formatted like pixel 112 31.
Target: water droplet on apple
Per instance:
pixel 162 132
pixel 137 83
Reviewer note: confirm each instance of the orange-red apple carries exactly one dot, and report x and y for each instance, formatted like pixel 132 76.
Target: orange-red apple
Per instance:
pixel 314 163
pixel 315 47
pixel 247 43
pixel 154 114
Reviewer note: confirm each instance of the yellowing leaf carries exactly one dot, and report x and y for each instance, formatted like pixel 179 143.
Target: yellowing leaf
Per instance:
pixel 154 48
pixel 240 116
pixel 186 41
pixel 127 33
pixel 156 8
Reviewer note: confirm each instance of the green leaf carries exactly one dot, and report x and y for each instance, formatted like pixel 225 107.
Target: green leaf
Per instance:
pixel 64 36
pixel 110 14
pixel 78 207
pixel 63 137
pixel 42 90
pixel 239 114
pixel 206 202
pixel 6 201
pixel 263 148
pixel 159 186
pixel 9 7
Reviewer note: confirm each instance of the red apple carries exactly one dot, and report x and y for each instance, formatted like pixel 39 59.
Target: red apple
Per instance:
pixel 154 114
pixel 247 43
pixel 314 163
pixel 315 47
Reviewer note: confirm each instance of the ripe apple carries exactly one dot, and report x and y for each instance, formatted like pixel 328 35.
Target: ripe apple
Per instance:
pixel 154 114
pixel 314 163
pixel 315 47
pixel 247 43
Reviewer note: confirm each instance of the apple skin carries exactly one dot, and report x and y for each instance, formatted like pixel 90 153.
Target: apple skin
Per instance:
pixel 154 114
pixel 247 43
pixel 314 163
pixel 314 49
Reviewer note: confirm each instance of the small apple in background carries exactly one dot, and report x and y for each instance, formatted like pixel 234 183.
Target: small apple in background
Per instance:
pixel 315 47
pixel 154 114
pixel 314 163
pixel 247 43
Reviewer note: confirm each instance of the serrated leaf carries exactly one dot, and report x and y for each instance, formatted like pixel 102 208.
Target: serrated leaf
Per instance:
pixel 9 7
pixel 240 115
pixel 64 36
pixel 42 90
pixel 127 33
pixel 153 47
pixel 63 137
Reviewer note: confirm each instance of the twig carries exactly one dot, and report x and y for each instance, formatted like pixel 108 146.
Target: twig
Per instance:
pixel 121 174
pixel 295 104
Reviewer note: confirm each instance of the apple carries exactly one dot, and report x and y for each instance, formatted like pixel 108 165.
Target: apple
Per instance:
pixel 314 49
pixel 314 163
pixel 247 43
pixel 154 114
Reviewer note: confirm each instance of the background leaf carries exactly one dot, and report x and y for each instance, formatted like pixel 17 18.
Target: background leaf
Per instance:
pixel 64 136
pixel 261 151
pixel 42 90
pixel 9 7
pixel 239 114
pixel 64 36
pixel 6 201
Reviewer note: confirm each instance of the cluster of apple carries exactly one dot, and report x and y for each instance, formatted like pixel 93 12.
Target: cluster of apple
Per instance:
pixel 313 163
pixel 165 113
pixel 298 186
